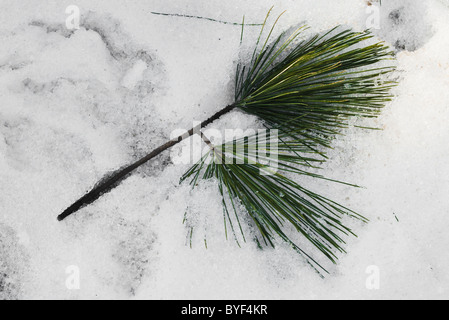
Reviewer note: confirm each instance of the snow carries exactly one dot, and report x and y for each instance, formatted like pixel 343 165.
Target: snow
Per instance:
pixel 79 103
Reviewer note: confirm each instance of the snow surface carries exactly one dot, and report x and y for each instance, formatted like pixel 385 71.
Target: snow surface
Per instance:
pixel 78 103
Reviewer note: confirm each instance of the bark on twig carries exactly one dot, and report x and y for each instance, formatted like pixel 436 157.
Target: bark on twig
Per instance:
pixel 113 180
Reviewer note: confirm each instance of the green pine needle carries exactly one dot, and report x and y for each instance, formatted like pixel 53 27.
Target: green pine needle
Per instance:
pixel 307 90
pixel 313 87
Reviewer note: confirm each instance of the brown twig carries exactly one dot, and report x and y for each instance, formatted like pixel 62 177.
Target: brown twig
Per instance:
pixel 113 180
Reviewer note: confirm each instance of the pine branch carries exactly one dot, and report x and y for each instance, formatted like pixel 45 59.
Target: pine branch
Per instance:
pixel 306 90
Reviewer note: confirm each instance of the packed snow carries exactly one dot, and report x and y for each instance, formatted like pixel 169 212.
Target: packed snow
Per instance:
pixel 80 100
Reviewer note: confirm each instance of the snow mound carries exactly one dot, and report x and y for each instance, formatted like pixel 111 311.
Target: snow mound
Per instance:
pixel 13 261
